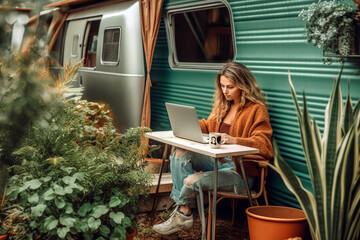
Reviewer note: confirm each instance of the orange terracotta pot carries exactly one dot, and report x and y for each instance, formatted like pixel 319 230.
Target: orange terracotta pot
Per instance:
pixel 130 236
pixel 4 237
pixel 276 222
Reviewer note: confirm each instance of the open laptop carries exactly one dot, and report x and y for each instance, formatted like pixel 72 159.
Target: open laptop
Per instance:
pixel 184 122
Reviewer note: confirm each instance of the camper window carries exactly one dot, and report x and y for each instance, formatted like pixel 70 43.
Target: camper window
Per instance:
pixel 111 44
pixel 200 36
pixel 90 43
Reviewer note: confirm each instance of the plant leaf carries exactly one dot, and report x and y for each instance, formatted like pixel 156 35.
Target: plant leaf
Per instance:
pixel 68 190
pixel 67 221
pixel 352 230
pixel 49 195
pixel 59 202
pixel 59 190
pixel 293 94
pixel 356 109
pixel 331 141
pixel 33 184
pixel 85 208
pixel 119 233
pixel 69 209
pixel 45 179
pixel 50 223
pixel 62 232
pixel 94 223
pixel 343 179
pixel 317 135
pixel 33 199
pixel 100 210
pixel 68 179
pixel 117 217
pixel 104 230
pixel 82 226
pixel 126 222
pixel 38 210
pixel 348 118
pixel 313 160
pixel 114 201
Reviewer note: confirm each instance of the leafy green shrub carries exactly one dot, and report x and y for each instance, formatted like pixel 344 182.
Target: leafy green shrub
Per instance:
pixel 74 178
pixel 71 172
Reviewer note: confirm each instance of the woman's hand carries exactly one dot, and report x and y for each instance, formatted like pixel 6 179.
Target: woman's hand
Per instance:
pixel 228 139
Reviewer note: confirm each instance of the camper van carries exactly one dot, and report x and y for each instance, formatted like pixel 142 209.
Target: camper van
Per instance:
pixel 108 41
pixel 196 38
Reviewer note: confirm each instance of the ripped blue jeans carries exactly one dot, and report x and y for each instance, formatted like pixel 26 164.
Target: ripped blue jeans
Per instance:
pixel 192 163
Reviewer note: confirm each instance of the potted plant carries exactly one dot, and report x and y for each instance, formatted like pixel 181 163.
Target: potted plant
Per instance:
pixel 332 208
pixel 3 233
pixel 331 25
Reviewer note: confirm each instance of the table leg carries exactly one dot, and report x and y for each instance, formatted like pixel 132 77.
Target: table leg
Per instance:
pixel 160 174
pixel 245 180
pixel 213 220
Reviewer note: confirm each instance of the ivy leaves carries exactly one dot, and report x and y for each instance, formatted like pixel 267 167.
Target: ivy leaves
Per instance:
pixel 70 186
pixel 54 212
pixel 38 210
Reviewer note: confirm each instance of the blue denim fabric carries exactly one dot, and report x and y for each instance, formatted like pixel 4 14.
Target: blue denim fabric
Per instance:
pixel 191 163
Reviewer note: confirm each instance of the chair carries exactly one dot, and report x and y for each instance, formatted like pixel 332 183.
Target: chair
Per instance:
pixel 255 193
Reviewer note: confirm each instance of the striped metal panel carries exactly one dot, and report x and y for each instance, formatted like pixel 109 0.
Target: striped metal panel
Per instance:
pixel 270 40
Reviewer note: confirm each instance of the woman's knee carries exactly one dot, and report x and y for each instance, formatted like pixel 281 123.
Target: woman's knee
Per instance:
pixel 181 164
pixel 190 180
pixel 179 152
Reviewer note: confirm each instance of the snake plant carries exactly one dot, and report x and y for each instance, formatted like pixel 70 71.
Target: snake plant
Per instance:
pixel 332 207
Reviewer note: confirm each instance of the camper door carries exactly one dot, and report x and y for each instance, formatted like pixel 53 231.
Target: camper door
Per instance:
pixel 74 40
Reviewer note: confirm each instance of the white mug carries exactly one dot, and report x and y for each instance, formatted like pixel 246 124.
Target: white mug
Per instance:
pixel 215 140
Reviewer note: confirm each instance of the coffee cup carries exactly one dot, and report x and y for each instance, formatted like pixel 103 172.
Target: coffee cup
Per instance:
pixel 215 140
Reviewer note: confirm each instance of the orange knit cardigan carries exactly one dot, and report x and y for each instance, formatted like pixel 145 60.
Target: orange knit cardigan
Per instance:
pixel 251 127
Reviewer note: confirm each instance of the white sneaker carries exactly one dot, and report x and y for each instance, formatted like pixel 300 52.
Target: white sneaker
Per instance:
pixel 175 223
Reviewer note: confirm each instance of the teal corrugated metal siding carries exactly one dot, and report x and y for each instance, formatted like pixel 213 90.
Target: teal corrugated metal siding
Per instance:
pixel 270 40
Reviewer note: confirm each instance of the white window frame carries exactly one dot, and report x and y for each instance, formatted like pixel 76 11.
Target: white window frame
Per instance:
pixel 174 63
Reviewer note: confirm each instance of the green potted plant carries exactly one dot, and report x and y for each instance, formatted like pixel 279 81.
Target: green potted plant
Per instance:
pixel 332 207
pixel 331 25
pixel 3 229
pixel 3 233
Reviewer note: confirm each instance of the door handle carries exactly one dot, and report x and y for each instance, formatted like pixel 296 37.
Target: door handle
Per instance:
pixel 81 81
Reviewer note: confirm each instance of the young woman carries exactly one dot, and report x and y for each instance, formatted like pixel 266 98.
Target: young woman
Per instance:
pixel 240 113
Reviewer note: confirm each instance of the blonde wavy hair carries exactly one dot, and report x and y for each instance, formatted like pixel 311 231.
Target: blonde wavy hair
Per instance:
pixel 244 80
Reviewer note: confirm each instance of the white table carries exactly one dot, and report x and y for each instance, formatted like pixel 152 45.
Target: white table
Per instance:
pixel 168 138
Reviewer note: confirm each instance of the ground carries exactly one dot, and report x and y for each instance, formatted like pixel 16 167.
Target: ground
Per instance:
pixel 224 228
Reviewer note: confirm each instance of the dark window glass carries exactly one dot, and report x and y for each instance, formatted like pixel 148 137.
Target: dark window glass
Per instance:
pixel 90 43
pixel 57 52
pixel 111 45
pixel 203 35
